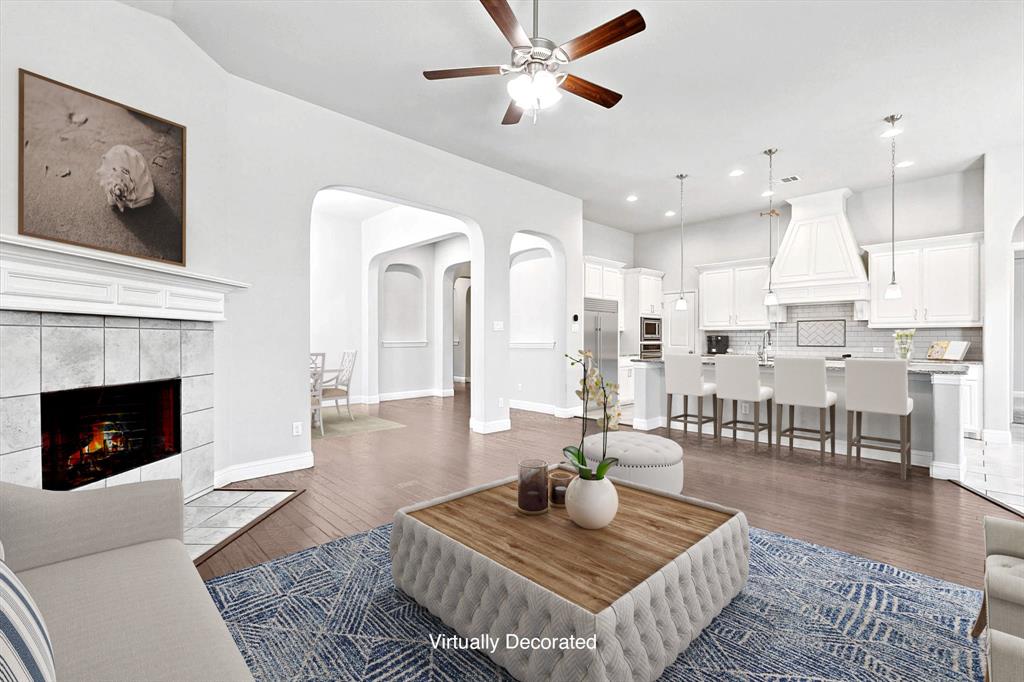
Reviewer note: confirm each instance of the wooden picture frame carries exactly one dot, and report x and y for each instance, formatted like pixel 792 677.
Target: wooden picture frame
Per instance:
pixel 98 173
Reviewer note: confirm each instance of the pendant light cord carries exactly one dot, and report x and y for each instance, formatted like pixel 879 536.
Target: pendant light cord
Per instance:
pixel 536 20
pixel 892 205
pixel 771 211
pixel 682 237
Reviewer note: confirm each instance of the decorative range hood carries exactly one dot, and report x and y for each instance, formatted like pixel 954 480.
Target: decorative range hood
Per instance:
pixel 819 260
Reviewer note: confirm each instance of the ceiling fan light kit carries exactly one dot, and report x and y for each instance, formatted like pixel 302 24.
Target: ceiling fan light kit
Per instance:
pixel 537 61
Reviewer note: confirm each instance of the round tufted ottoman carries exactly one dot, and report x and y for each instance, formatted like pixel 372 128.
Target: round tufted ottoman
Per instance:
pixel 643 458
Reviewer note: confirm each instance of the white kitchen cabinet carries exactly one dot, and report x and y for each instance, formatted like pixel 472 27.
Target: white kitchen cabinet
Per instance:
pixel 679 330
pixel 627 381
pixel 641 298
pixel 940 279
pixel 732 295
pixel 650 294
pixel 970 401
pixel 593 280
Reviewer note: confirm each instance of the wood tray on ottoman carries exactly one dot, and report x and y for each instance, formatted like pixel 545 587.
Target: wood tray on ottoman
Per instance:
pixel 643 587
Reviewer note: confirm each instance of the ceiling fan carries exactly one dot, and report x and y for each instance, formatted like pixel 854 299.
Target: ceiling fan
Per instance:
pixel 537 61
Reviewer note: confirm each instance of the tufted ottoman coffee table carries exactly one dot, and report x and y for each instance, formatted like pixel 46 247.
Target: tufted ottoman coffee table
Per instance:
pixel 643 458
pixel 548 600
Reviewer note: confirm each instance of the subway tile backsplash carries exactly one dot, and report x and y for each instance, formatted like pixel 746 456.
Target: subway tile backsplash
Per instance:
pixel 860 340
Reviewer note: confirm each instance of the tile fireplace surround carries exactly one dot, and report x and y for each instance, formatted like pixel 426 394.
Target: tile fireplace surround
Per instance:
pixel 43 352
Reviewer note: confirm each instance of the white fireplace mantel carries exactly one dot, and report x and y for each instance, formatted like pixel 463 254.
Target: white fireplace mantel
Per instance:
pixel 49 276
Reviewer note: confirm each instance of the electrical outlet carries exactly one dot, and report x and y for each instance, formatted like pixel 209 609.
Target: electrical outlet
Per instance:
pixel 498 325
pixel 575 328
pixel 744 408
pixel 519 387
pixel 877 349
pixel 501 402
pixel 296 428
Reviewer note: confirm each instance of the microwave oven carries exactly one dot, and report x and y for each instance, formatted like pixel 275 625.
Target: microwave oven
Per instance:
pixel 650 329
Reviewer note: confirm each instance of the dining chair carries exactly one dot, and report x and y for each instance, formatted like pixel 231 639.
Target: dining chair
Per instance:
pixel 337 383
pixel 316 388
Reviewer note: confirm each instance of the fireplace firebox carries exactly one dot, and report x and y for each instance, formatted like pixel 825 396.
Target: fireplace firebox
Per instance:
pixel 89 434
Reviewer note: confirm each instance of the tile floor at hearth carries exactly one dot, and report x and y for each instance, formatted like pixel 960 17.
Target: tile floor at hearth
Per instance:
pixel 220 513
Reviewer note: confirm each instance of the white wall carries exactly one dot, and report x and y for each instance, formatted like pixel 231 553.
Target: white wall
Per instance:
pixel 334 243
pixel 460 353
pixel 1004 208
pixel 406 315
pixel 607 242
pixel 256 159
pixel 947 204
pixel 1018 324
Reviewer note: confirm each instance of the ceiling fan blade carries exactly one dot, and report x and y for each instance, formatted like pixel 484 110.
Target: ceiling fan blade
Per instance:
pixel 462 73
pixel 507 22
pixel 606 34
pixel 512 115
pixel 592 91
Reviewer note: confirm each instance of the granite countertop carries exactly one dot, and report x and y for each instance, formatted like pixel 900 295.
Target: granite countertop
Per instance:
pixel 916 367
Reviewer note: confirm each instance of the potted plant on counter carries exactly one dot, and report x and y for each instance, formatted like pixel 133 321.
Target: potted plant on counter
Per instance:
pixel 591 500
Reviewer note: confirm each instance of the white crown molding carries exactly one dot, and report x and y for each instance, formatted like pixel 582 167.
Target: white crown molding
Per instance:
pixel 48 276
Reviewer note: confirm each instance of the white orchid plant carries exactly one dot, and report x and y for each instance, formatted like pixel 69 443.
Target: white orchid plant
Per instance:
pixel 605 396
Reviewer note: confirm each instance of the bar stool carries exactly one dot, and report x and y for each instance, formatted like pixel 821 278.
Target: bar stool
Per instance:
pixel 739 378
pixel 878 386
pixel 800 382
pixel 684 374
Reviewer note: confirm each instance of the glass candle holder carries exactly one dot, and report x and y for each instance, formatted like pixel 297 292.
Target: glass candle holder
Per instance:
pixel 559 479
pixel 533 486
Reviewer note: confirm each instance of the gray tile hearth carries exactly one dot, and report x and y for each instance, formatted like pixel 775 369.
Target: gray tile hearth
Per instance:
pixel 196 352
pixel 197 469
pixel 159 354
pixel 19 357
pixel 218 514
pixel 23 467
pixel 196 393
pixel 72 357
pixel 19 317
pixel 19 423
pixel 196 429
pixel 120 356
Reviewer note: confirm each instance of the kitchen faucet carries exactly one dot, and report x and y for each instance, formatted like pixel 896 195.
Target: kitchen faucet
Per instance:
pixel 766 345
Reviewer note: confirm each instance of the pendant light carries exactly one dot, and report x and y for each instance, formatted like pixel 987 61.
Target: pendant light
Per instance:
pixel 770 298
pixel 681 303
pixel 893 291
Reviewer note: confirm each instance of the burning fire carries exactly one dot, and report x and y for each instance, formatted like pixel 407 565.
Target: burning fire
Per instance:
pixel 106 438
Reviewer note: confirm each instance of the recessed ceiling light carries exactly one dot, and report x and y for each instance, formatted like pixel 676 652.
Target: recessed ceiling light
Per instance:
pixel 904 164
pixel 767 193
pixel 669 214
pixel 736 173
pixel 631 198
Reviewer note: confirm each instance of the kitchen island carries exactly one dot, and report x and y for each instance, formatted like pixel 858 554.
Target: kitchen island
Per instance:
pixel 937 437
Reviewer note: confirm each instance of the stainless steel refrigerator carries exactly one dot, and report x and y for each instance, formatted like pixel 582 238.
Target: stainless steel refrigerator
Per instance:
pixel 601 335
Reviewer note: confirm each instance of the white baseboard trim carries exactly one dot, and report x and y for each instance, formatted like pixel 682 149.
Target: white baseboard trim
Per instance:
pixel 461 380
pixel 569 412
pixel 478 426
pixel 530 406
pixel 949 472
pixel 917 457
pixel 406 395
pixel 996 437
pixel 262 467
pixel 648 424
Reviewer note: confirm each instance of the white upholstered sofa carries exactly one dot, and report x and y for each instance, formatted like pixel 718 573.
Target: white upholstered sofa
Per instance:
pixel 117 590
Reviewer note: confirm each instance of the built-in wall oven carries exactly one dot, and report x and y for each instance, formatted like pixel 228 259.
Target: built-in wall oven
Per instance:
pixel 650 329
pixel 650 338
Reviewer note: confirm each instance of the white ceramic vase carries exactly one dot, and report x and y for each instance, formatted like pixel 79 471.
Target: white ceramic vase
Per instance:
pixel 591 504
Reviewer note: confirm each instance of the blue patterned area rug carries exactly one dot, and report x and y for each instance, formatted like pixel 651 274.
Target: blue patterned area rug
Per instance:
pixel 807 613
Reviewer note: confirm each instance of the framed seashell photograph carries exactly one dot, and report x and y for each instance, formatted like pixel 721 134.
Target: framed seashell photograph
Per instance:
pixel 97 173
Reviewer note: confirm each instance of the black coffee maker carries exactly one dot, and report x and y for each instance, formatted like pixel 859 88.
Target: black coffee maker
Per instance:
pixel 718 344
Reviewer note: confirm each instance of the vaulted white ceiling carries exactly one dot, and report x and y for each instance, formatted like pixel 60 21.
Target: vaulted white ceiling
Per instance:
pixel 706 87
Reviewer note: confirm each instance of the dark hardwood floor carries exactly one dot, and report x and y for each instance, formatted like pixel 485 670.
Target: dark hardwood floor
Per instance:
pixel 922 524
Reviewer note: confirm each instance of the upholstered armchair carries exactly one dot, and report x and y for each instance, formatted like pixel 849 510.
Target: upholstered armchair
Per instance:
pixel 1003 605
